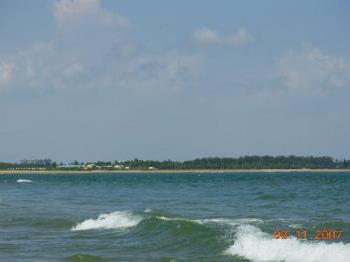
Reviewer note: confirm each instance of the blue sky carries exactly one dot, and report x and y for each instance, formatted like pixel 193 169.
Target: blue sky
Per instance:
pixel 90 80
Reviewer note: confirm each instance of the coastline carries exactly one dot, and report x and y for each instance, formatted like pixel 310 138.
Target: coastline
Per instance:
pixel 164 171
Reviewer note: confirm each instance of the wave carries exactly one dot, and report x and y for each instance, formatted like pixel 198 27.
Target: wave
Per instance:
pixel 221 221
pixel 256 245
pixel 296 226
pixel 265 197
pixel 84 257
pixel 231 222
pixel 175 219
pixel 115 220
pixel 125 219
pixel 24 181
pixel 249 241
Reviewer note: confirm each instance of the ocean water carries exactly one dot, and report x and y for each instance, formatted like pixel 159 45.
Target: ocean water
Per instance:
pixel 173 217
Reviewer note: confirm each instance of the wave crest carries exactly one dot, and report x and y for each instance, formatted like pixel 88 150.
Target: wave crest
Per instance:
pixel 24 181
pixel 115 220
pixel 256 245
pixel 220 221
pixel 231 222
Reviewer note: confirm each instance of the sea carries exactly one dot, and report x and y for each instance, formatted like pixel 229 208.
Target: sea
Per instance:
pixel 262 216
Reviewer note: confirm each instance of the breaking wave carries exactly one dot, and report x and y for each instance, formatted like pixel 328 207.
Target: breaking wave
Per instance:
pixel 126 219
pixel 24 181
pixel 250 242
pixel 256 245
pixel 296 225
pixel 115 220
pixel 227 221
pixel 221 221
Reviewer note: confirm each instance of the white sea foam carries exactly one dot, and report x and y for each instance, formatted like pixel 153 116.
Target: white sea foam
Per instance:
pixel 296 225
pixel 222 221
pixel 227 221
pixel 115 220
pixel 169 218
pixel 198 221
pixel 174 219
pixel 24 181
pixel 256 245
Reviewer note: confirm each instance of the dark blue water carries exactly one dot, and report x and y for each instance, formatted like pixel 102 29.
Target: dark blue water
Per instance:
pixel 173 217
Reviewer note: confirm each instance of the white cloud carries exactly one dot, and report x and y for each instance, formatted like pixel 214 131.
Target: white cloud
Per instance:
pixel 207 36
pixel 169 72
pixel 6 69
pixel 66 11
pixel 87 53
pixel 73 69
pixel 114 19
pixel 72 8
pixel 242 37
pixel 311 71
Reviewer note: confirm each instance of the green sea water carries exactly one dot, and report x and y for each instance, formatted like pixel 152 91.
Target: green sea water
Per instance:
pixel 173 217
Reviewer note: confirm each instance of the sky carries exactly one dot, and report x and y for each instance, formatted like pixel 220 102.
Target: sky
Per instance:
pixel 95 80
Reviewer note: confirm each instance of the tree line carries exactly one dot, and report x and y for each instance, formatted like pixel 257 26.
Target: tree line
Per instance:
pixel 244 162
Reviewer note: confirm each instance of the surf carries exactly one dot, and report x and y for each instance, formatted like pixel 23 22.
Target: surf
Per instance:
pixel 250 242
pixel 114 220
pixel 24 181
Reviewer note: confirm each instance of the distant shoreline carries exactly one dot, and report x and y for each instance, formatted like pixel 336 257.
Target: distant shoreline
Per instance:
pixel 24 172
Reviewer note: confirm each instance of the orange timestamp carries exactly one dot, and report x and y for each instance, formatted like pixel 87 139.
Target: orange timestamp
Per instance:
pixel 303 234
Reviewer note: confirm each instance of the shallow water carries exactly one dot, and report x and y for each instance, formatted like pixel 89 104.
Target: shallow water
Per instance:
pixel 172 217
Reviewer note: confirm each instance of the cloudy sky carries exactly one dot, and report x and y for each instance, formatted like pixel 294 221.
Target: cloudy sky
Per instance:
pixel 90 79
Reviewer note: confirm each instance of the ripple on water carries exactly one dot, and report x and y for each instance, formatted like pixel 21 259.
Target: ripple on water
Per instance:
pixel 84 258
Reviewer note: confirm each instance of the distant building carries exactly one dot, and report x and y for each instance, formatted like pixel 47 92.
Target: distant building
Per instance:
pixel 36 162
pixel 89 166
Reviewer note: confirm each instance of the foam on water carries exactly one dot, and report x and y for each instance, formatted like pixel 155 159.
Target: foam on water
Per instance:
pixel 231 222
pixel 24 181
pixel 296 225
pixel 115 220
pixel 256 245
pixel 174 219
pixel 221 221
